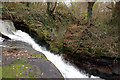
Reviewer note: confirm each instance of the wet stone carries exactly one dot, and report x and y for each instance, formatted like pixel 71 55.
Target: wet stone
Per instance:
pixel 23 57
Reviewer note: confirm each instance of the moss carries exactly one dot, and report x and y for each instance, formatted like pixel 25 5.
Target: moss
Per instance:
pixel 15 70
pixel 40 35
pixel 59 44
pixel 52 47
pixel 21 70
pixel 55 50
pixel 50 43
pixel 38 56
pixel 38 73
pixel 96 4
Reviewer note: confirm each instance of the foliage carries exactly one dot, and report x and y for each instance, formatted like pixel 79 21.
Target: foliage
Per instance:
pixel 67 30
pixel 96 5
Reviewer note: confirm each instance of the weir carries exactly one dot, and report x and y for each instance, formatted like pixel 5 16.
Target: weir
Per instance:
pixel 66 68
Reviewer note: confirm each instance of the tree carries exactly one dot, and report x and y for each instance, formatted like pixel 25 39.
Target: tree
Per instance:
pixel 111 6
pixel 117 13
pixel 51 6
pixel 89 13
pixel 28 4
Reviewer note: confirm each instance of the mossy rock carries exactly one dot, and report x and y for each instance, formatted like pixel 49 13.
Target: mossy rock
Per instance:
pixel 16 70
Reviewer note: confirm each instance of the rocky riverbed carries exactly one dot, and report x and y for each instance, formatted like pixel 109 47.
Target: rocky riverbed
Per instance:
pixel 19 60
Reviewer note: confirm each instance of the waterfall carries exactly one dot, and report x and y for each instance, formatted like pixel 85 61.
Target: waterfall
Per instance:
pixel 7 27
pixel 66 69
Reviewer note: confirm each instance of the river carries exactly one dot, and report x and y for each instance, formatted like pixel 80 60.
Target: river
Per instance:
pixel 66 68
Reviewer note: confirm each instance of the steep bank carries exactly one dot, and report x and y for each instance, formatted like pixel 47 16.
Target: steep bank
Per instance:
pixel 104 67
pixel 89 51
pixel 19 25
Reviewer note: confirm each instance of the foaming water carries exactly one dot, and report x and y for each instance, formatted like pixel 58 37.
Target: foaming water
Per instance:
pixel 66 69
pixel 1 39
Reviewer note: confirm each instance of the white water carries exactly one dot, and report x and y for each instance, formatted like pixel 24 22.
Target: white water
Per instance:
pixel 66 69
pixel 9 27
pixel 1 39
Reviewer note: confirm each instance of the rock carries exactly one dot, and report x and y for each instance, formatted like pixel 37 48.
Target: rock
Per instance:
pixel 22 61
pixel 5 37
pixel 116 68
pixel 25 28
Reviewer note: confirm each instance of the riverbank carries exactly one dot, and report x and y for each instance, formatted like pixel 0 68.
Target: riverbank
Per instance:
pixel 103 67
pixel 89 51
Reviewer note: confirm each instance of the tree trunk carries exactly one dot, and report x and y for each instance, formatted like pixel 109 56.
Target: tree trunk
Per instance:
pixel 51 6
pixel 28 4
pixel 116 21
pixel 89 13
pixel 48 8
pixel 112 7
pixel 117 13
